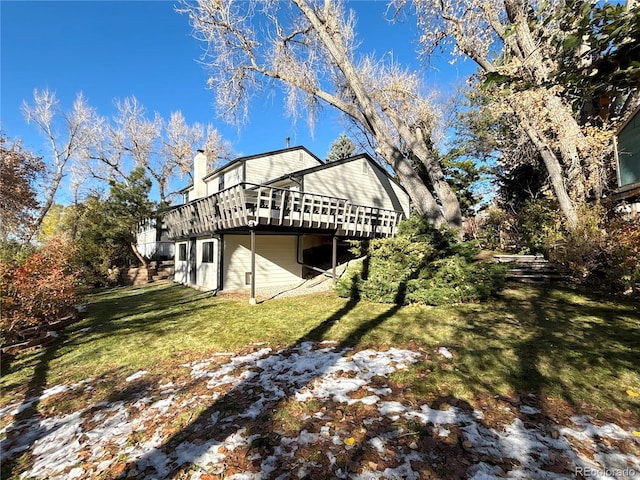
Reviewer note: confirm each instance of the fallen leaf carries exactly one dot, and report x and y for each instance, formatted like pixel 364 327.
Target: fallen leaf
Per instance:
pixel 631 393
pixel 636 433
pixel 349 441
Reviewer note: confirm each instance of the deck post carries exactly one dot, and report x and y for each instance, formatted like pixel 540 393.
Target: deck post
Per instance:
pixel 334 257
pixel 252 298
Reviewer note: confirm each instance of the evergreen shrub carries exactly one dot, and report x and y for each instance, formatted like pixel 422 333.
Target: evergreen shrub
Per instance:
pixel 421 265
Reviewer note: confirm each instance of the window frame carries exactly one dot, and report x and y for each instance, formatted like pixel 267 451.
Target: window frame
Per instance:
pixel 208 251
pixel 182 252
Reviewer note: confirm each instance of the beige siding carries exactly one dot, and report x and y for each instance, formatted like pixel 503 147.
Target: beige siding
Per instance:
pixel 263 169
pixel 275 261
pixel 402 198
pixel 231 177
pixel 360 183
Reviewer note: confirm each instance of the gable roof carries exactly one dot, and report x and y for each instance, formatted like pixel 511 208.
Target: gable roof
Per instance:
pixel 360 156
pixel 244 159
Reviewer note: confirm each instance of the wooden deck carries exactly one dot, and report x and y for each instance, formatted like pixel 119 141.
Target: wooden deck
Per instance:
pixel 248 205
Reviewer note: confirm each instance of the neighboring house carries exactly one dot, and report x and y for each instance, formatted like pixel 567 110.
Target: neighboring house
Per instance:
pixel 627 150
pixel 273 218
pixel 153 241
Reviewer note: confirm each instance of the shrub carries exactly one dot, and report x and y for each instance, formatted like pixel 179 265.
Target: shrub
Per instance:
pixel 456 280
pixel 540 224
pixel 582 250
pixel 422 264
pixel 603 250
pixel 37 287
pixel 624 253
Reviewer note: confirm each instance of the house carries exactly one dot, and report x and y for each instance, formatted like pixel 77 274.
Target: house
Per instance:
pixel 153 241
pixel 274 218
pixel 627 152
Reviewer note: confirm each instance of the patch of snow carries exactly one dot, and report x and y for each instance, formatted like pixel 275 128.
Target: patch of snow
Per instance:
pixel 58 444
pixel 444 351
pixel 378 443
pixel 205 455
pixel 136 376
pixel 163 406
pixel 386 408
pixel 586 430
pixel 528 410
pixel 380 391
pixel 429 415
pixel 75 473
pixel 57 447
pixel 156 459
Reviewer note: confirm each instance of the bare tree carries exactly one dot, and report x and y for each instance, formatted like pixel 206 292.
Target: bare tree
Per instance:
pixel 66 134
pixel 515 44
pixel 164 148
pixel 178 144
pixel 310 49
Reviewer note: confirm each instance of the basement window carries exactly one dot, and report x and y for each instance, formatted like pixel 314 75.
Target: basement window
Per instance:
pixel 207 252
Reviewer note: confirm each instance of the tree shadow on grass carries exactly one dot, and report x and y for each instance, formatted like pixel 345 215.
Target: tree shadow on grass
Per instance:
pixel 28 412
pixel 111 308
pixel 546 324
pixel 543 339
pixel 246 393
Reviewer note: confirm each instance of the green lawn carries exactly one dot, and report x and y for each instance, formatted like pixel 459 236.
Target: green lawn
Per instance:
pixel 552 341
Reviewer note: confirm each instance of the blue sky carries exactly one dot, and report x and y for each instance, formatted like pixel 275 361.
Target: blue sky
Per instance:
pixel 110 50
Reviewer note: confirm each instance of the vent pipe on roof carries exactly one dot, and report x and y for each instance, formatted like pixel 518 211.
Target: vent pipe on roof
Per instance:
pixel 288 139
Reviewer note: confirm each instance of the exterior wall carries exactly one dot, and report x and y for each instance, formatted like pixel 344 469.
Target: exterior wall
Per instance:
pixel 360 183
pixel 628 151
pixel 275 261
pixel 403 197
pixel 262 169
pixel 231 177
pixel 207 273
pixel 162 250
pixel 181 263
pixel 149 247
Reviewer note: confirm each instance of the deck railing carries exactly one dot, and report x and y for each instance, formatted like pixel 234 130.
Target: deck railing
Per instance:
pixel 248 204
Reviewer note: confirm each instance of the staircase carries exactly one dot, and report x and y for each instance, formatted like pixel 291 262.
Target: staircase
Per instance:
pixel 529 268
pixel 156 271
pixel 162 270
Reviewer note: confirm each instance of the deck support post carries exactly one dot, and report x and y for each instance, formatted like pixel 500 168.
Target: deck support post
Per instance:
pixel 334 257
pixel 252 298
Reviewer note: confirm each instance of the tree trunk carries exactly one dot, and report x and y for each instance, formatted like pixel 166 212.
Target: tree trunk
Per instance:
pixel 423 200
pixel 554 169
pixel 372 121
pixel 570 140
pixel 48 203
pixel 139 256
pixel 450 204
